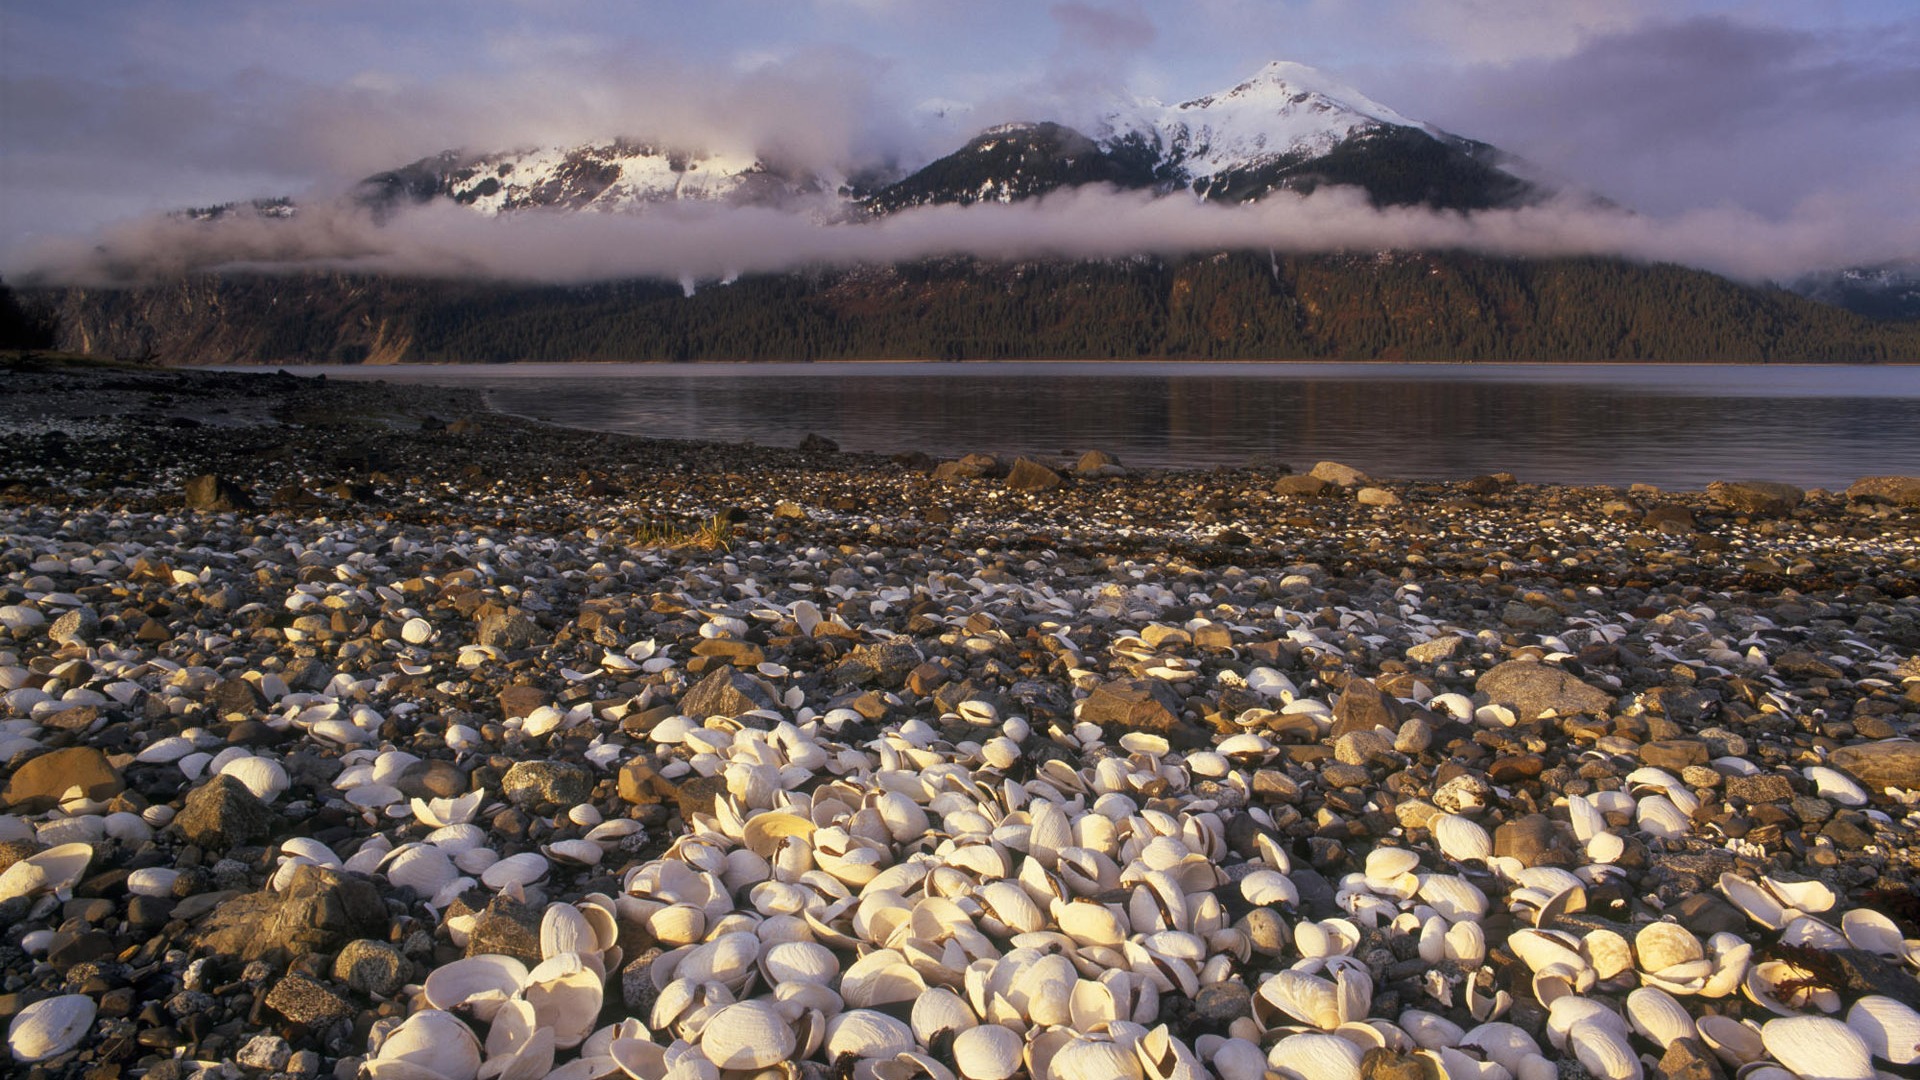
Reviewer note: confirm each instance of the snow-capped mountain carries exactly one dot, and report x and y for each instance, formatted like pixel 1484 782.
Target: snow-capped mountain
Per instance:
pixel 619 175
pixel 1287 127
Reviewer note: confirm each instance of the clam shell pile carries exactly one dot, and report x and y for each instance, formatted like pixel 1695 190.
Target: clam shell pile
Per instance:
pixel 1033 794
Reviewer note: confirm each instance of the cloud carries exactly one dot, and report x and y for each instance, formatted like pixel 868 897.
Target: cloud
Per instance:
pixel 1699 112
pixel 714 243
pixel 1105 29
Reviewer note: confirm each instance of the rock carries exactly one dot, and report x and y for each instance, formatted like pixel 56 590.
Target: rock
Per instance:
pixel 1220 1004
pixel 76 627
pixel 1673 520
pixel 508 630
pixel 1760 788
pixel 1531 689
pixel 1674 755
pixel 885 664
pixel 1688 1058
pixel 1133 705
pixel 553 783
pixel 788 510
pixel 1444 647
pixel 1030 475
pixel 264 1053
pixel 42 782
pixel 1303 486
pixel 818 444
pixel 640 785
pixel 1531 839
pixel 215 494
pixel 1898 490
pixel 308 1002
pixel 727 692
pixel 222 813
pixel 432 779
pixel 1880 765
pixel 1098 463
pixel 1755 496
pixel 320 910
pixel 697 795
pixel 371 967
pixel 1363 707
pixel 1333 472
pixel 518 702
pixel 1376 496
pixel 1380 1063
pixel 509 928
pixel 1706 915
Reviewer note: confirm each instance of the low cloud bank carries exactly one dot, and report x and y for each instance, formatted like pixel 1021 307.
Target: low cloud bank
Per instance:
pixel 716 243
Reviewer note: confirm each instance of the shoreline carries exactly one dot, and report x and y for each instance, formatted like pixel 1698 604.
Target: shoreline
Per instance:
pixel 437 614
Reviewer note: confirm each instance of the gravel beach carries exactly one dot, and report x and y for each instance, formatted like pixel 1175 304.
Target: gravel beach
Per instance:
pixel 351 729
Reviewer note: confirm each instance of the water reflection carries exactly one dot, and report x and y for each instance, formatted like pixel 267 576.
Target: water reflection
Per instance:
pixel 1677 427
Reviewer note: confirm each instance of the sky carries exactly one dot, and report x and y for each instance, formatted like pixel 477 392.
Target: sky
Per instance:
pixel 1773 123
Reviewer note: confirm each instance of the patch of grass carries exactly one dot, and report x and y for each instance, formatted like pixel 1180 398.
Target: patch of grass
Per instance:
pixel 710 534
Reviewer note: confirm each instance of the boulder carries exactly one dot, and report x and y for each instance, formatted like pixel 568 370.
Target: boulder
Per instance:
pixel 222 813
pixel 726 692
pixel 1532 689
pixel 42 782
pixel 1303 486
pixel 1755 496
pixel 554 783
pixel 321 910
pixel 1333 472
pixel 215 494
pixel 1029 475
pixel 1881 765
pixel 1363 707
pixel 1898 490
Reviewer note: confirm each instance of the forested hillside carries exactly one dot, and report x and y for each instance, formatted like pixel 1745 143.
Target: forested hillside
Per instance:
pixel 1229 306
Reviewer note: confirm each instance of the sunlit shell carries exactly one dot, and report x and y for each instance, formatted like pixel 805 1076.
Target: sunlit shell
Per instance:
pixel 1460 839
pixel 1659 1016
pixel 747 1035
pixel 865 1033
pixel 1818 1048
pixel 1889 1027
pixel 262 776
pixel 54 870
pixel 50 1027
pixel 1604 1051
pixel 481 983
pixel 1315 1057
pixel 566 997
pixel 988 1052
pixel 436 1043
pixel 522 869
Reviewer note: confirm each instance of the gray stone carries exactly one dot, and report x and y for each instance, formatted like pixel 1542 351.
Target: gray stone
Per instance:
pixel 1221 1003
pixel 508 630
pixel 508 928
pixel 726 692
pixel 885 664
pixel 319 912
pixel 222 813
pixel 1531 839
pixel 371 967
pixel 308 1002
pixel 1444 647
pixel 1532 689
pixel 264 1053
pixel 555 783
pixel 76 627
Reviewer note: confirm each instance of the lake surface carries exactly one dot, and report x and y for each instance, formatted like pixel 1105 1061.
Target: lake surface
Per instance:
pixel 1678 426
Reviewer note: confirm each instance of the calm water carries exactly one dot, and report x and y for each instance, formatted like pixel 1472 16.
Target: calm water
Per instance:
pixel 1676 426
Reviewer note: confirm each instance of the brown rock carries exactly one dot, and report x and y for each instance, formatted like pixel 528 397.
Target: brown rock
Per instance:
pixel 1303 486
pixel 1755 496
pixel 697 795
pixel 1030 475
pixel 1689 1059
pixel 1133 705
pixel 1333 472
pixel 42 782
pixel 1674 754
pixel 725 692
pixel 1898 490
pixel 1531 839
pixel 1760 788
pixel 321 910
pixel 1531 689
pixel 1881 765
pixel 642 786
pixel 520 701
pixel 215 494
pixel 223 813
pixel 1362 707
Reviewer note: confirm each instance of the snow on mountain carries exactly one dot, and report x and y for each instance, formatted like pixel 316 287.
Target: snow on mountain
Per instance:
pixel 619 176
pixel 1285 110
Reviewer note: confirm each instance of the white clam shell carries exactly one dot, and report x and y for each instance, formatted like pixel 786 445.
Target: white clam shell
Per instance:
pixel 1659 1016
pixel 522 869
pixel 865 1033
pixel 50 1027
pixel 1818 1048
pixel 1604 1051
pixel 988 1052
pixel 1889 1027
pixel 1460 839
pixel 1664 945
pixel 1315 1057
pixel 51 871
pixel 940 1009
pixel 482 982
pixel 437 1043
pixel 747 1035
pixel 262 776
